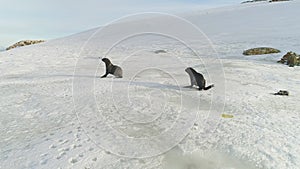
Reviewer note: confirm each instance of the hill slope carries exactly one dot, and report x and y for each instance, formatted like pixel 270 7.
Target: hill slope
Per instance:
pixel 57 112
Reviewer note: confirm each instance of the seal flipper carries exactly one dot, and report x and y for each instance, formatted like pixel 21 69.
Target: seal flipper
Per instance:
pixel 192 77
pixel 104 75
pixel 208 87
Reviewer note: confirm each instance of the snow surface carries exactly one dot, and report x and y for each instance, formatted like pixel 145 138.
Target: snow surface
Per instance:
pixel 57 113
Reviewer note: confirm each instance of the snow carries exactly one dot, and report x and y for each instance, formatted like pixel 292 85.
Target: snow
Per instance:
pixel 57 113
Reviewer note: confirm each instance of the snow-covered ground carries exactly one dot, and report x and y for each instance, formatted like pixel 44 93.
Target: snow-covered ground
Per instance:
pixel 57 113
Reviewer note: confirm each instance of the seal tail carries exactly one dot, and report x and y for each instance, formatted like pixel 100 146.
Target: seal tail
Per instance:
pixel 208 87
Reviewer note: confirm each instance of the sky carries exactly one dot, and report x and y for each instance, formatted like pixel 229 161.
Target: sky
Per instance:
pixel 49 19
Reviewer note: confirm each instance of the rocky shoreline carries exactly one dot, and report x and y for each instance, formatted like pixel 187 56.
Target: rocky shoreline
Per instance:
pixel 24 43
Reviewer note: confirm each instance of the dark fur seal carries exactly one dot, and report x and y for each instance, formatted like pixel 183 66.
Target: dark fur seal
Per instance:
pixel 112 69
pixel 197 79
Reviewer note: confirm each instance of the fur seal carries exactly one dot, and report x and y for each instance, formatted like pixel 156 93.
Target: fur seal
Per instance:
pixel 197 79
pixel 112 69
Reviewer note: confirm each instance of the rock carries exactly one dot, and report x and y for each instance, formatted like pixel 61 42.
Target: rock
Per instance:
pixel 291 58
pixel 24 43
pixel 277 0
pixel 160 51
pixel 285 57
pixel 253 1
pixel 282 93
pixel 292 61
pixel 72 160
pixel 260 51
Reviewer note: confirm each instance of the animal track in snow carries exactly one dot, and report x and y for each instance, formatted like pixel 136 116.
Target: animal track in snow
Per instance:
pixel 52 146
pixel 72 160
pixel 44 161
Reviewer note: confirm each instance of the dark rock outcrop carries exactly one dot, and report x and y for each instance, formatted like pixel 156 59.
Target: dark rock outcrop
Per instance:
pixel 160 51
pixel 277 0
pixel 260 51
pixel 291 59
pixel 282 93
pixel 253 1
pixel 24 43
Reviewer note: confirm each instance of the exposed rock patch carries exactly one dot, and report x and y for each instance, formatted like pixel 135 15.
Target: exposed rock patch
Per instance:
pixel 260 51
pixel 282 93
pixel 291 59
pixel 278 0
pixel 252 1
pixel 160 51
pixel 24 43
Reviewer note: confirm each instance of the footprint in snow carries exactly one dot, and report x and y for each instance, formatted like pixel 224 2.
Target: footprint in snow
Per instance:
pixel 72 160
pixel 73 146
pixel 63 141
pixel 64 149
pixel 61 154
pixel 52 146
pixel 43 162
pixel 44 155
